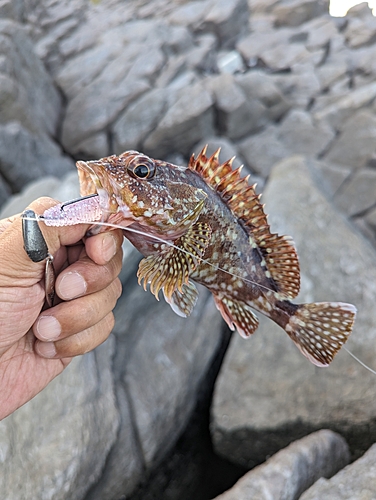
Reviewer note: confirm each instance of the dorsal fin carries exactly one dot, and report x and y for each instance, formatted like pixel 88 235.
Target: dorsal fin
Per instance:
pixel 278 251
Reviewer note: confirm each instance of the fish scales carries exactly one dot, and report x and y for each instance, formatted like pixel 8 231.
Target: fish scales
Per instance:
pixel 215 232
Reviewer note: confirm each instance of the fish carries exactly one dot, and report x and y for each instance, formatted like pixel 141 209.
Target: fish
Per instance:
pixel 204 223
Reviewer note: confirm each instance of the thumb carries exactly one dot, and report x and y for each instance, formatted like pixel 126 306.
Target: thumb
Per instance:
pixel 16 268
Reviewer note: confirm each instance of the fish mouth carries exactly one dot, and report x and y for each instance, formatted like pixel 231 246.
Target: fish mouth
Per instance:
pixel 95 180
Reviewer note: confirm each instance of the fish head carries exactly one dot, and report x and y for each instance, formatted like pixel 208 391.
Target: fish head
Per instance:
pixel 153 193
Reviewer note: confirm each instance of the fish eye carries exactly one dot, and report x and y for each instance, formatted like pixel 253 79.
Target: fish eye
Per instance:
pixel 144 170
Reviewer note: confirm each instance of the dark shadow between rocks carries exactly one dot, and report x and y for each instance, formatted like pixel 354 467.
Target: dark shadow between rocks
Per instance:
pixel 192 469
pixel 265 443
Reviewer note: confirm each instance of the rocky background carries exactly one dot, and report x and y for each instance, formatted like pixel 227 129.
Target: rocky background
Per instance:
pixel 172 408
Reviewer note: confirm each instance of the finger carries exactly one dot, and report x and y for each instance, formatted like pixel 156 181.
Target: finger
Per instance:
pixel 15 263
pixel 5 223
pixel 102 247
pixel 85 277
pixel 56 323
pixel 77 344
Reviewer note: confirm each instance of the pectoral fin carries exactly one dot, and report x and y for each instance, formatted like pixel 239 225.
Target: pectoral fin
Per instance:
pixel 170 268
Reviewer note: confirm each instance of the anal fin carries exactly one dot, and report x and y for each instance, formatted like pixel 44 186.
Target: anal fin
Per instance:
pixel 319 330
pixel 182 303
pixel 237 314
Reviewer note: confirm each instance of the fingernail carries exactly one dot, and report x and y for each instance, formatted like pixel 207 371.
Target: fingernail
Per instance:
pixel 72 285
pixel 46 349
pixel 48 328
pixel 108 247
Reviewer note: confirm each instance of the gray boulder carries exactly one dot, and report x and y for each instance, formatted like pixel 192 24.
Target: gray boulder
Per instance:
pixel 296 12
pixel 25 156
pixel 160 362
pixel 188 120
pixel 237 114
pixel 359 193
pixel 355 145
pixel 294 469
pixel 78 416
pixel 27 92
pixel 138 120
pixel 357 480
pixel 280 395
pixel 228 19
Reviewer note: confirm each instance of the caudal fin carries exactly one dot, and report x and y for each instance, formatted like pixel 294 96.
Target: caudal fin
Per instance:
pixel 319 330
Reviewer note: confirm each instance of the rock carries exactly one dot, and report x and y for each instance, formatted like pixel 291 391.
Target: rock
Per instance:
pixel 25 157
pixel 27 92
pixel 280 396
pixel 360 32
pixel 320 31
pixel 300 134
pixel 300 87
pixel 297 134
pixel 4 191
pixel 95 146
pixel 237 115
pixel 261 86
pixel 190 14
pixel 261 151
pixel 139 120
pixel 292 470
pixel 230 62
pixel 296 12
pixel 63 189
pixel 330 176
pixel 188 120
pixel 359 193
pixel 273 50
pixel 79 418
pixel 227 19
pixel 355 145
pixel 331 72
pixel 361 10
pixel 11 9
pixel 357 480
pixel 160 363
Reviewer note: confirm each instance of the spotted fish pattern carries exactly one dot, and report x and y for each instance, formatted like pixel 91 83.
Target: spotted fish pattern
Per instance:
pixel 204 223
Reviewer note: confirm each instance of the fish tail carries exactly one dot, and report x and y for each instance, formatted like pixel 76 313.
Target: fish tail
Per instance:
pixel 320 329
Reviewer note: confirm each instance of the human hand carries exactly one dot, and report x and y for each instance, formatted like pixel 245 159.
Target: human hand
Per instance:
pixel 36 346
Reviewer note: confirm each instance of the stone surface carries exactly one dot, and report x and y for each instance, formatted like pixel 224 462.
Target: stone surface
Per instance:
pixel 296 12
pixel 4 191
pixel 343 108
pixel 60 432
pixel 139 119
pixel 302 135
pixel 27 92
pixel 357 480
pixel 280 395
pixel 188 120
pixel 359 193
pixel 355 146
pixel 160 362
pixel 261 151
pixel 292 470
pixel 237 114
pixel 25 156
pixel 227 19
pixel 260 86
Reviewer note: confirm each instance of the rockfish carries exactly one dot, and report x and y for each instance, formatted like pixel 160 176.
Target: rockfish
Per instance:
pixel 204 223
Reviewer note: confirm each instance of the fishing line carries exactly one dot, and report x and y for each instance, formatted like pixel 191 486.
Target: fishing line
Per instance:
pixel 169 243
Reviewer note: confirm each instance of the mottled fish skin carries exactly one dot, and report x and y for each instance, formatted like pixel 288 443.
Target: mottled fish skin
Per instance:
pixel 216 234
